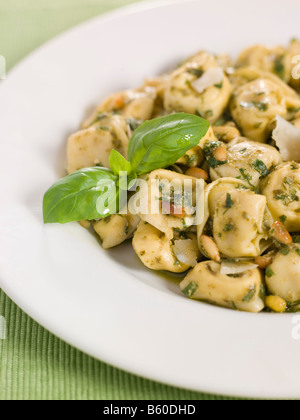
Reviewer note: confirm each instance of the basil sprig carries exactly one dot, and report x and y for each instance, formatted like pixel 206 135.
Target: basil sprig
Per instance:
pixel 159 143
pixel 98 192
pixel 87 194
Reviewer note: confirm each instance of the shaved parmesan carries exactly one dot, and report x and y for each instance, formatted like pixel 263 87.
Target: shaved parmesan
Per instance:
pixel 211 77
pixel 229 268
pixel 186 252
pixel 287 138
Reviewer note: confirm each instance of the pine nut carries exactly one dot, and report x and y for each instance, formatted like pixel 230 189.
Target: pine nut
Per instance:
pixel 197 173
pixel 220 154
pixel 264 261
pixel 280 233
pixel 209 248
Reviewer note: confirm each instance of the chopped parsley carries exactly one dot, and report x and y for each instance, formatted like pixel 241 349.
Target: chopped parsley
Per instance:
pixel 289 197
pixel 100 116
pixel 260 167
pixel 258 125
pixel 196 72
pixel 285 250
pixel 185 226
pixel 209 151
pixel 262 292
pixel 190 159
pixel 261 106
pixel 282 197
pixel 190 290
pixel 247 178
pixel 208 113
pixel 269 272
pixel 288 181
pixel 279 66
pixel 293 110
pixel 292 306
pixel 229 227
pixel 250 295
pixel 228 203
pixel 234 306
pixel 133 123
pixel 283 219
pixel 219 85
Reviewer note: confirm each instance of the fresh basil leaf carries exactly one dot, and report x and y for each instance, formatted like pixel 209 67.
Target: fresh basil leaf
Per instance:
pixel 118 163
pixel 159 143
pixel 122 168
pixel 127 181
pixel 87 194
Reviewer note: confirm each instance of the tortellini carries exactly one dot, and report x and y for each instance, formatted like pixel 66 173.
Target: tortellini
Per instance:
pixel 158 252
pixel 248 159
pixel 116 229
pixel 243 291
pixel 277 60
pixel 268 59
pixel 283 275
pixel 256 103
pixel 166 207
pixel 137 104
pixel 241 220
pixel 209 99
pixel 92 146
pixel 227 132
pixel 282 190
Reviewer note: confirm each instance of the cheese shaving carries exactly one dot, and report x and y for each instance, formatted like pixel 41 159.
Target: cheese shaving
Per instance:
pixel 185 252
pixel 213 76
pixel 287 138
pixel 229 268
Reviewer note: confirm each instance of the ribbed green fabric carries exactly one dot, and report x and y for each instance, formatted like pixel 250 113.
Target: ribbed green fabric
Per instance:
pixel 34 364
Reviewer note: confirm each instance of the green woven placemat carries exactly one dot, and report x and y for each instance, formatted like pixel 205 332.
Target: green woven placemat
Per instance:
pixel 34 364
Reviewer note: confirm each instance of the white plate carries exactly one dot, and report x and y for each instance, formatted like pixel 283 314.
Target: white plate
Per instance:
pixel 106 303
